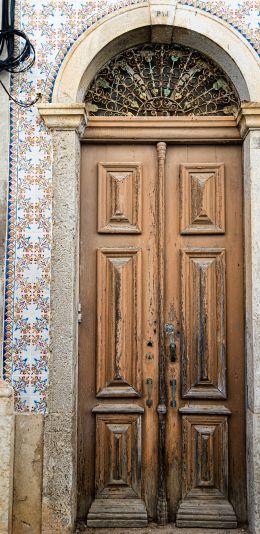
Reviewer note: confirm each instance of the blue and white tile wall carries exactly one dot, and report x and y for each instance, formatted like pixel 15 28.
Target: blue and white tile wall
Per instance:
pixel 53 26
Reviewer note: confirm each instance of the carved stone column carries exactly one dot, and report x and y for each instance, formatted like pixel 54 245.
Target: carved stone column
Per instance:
pixel 6 456
pixel 249 123
pixel 60 434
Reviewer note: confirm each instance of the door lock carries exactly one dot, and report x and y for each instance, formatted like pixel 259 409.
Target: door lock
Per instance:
pixel 173 351
pixel 149 383
pixel 169 331
pixel 173 401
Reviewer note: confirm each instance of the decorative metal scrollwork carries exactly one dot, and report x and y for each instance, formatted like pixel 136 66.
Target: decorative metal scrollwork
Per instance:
pixel 161 80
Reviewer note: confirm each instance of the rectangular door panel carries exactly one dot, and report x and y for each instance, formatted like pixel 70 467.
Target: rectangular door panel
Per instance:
pixel 118 467
pixel 203 343
pixel 202 192
pixel 205 469
pixel 119 321
pixel 205 449
pixel 119 197
pixel 118 459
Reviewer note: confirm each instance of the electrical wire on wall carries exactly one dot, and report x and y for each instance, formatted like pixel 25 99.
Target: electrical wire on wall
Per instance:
pixel 17 54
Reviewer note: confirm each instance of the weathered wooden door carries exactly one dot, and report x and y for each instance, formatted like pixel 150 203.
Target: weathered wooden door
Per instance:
pixel 161 365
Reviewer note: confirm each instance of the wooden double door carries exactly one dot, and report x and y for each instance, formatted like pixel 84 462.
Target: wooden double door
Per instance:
pixel 161 432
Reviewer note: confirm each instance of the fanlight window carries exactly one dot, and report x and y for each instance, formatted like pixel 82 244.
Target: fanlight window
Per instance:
pixel 161 80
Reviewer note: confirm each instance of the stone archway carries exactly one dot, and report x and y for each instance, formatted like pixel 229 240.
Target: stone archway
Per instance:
pixel 66 117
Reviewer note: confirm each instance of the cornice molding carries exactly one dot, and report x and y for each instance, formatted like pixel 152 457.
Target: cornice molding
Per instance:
pixel 167 129
pixel 248 117
pixel 64 116
pixel 74 117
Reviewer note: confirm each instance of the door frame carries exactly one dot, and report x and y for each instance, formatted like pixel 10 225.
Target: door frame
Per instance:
pixel 65 256
pixel 121 132
pixel 66 117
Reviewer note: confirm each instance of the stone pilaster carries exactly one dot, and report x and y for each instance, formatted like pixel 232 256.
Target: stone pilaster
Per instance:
pixel 249 124
pixel 6 456
pixel 60 434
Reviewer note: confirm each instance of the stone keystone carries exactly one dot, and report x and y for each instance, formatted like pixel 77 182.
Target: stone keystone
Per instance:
pixel 162 13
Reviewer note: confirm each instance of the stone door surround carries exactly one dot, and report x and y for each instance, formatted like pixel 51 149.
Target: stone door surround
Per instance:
pixel 66 117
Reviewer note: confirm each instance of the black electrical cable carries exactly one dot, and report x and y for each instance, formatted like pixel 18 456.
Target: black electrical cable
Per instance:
pixel 16 49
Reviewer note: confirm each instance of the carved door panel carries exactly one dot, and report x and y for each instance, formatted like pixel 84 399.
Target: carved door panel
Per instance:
pixel 161 369
pixel 205 440
pixel 118 335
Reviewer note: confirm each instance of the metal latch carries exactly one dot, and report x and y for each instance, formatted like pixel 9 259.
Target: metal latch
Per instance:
pixel 79 313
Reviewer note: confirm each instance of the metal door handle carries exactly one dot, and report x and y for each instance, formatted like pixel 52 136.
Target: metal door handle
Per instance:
pixel 173 401
pixel 149 383
pixel 173 351
pixel 169 331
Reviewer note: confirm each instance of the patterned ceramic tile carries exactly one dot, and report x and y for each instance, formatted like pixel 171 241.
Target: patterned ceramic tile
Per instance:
pixel 53 26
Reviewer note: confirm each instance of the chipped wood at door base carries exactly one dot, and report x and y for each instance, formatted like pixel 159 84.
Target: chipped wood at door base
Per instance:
pixel 130 513
pixel 207 514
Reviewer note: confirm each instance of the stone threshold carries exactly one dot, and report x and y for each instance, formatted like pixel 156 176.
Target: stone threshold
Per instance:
pixel 152 527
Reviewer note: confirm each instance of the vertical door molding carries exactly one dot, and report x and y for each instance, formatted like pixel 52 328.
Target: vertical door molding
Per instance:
pixel 249 123
pixel 59 469
pixel 162 513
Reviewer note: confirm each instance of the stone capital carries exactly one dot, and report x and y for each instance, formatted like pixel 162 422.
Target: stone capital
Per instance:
pixel 64 116
pixel 248 117
pixel 162 14
pixel 6 399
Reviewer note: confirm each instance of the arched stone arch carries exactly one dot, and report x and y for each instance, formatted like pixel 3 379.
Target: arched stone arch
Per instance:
pixel 132 26
pixel 66 117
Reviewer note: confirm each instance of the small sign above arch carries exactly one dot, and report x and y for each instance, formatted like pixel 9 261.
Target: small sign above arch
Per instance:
pixel 161 80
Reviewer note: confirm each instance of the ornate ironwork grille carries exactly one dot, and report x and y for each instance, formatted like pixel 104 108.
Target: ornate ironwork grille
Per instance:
pixel 161 80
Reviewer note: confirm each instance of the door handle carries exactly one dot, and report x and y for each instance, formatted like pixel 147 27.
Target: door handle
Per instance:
pixel 149 383
pixel 169 331
pixel 173 351
pixel 173 385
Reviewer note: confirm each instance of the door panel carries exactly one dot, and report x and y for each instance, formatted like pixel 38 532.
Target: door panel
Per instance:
pixel 119 197
pixel 206 445
pixel 118 346
pixel 202 316
pixel 202 198
pixel 204 305
pixel 119 322
pixel 118 457
pixel 204 482
pixel 203 323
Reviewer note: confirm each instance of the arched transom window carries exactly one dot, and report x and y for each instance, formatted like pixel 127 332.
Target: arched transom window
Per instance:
pixel 161 80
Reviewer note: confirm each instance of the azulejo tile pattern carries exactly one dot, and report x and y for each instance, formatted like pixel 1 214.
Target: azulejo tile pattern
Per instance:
pixel 53 26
